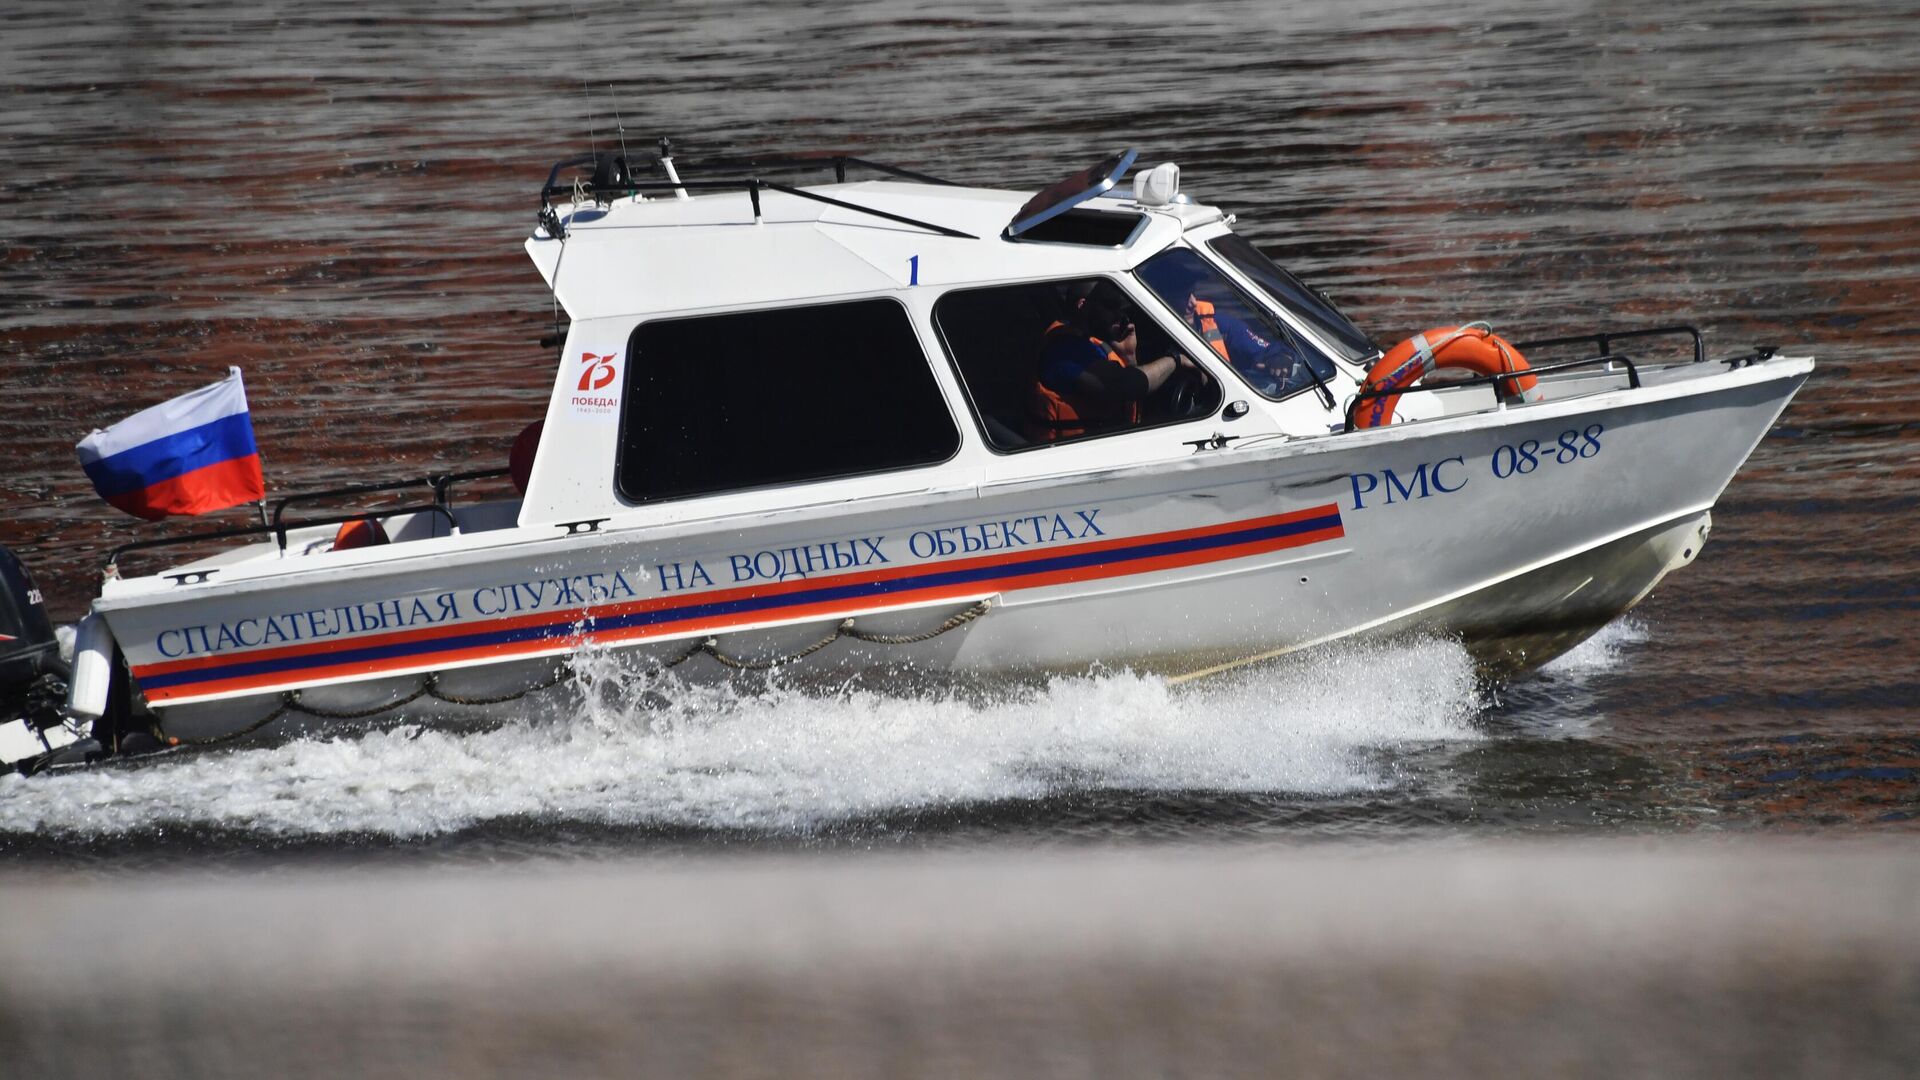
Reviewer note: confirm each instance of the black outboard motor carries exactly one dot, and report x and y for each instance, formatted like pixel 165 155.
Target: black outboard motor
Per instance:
pixel 33 677
pixel 28 648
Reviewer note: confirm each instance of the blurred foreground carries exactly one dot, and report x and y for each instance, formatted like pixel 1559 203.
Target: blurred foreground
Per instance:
pixel 1704 958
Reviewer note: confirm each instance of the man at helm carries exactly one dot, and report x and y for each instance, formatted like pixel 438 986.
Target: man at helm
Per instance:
pixel 1091 378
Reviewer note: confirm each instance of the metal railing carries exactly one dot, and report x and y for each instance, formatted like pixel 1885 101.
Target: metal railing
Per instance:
pixel 1604 339
pixel 613 178
pixel 441 484
pixel 1364 396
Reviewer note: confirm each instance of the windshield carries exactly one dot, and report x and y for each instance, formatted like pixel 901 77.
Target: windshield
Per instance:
pixel 1294 295
pixel 1274 361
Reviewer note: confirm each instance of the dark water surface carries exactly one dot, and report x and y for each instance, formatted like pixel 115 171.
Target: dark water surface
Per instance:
pixel 335 200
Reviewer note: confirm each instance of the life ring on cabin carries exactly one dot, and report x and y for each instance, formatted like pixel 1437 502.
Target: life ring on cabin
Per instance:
pixel 1474 347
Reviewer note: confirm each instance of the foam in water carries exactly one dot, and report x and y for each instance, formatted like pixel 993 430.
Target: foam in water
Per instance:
pixel 1566 697
pixel 623 752
pixel 1605 651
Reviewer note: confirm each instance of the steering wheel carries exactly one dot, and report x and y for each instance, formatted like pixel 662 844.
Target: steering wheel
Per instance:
pixel 1181 392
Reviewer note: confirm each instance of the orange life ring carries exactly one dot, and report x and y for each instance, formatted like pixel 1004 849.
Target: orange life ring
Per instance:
pixel 359 533
pixel 1473 347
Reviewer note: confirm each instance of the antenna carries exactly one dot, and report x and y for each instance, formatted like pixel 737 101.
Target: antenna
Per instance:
pixel 619 127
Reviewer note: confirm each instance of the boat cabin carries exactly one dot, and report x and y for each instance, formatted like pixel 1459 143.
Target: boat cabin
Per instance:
pixel 744 351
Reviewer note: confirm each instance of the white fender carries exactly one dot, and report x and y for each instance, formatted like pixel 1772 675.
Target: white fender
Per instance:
pixel 92 668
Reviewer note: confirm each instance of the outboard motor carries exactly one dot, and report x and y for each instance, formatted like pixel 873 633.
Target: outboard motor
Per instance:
pixel 33 677
pixel 28 649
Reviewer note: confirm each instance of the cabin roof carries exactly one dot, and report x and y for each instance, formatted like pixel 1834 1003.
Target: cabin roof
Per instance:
pixel 662 255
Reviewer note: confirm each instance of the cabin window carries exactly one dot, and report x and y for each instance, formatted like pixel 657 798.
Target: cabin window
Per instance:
pixel 1039 372
pixel 1297 298
pixel 1276 362
pixel 1096 228
pixel 756 398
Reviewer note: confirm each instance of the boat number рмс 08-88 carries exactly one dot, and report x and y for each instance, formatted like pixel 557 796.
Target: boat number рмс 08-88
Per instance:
pixel 1448 475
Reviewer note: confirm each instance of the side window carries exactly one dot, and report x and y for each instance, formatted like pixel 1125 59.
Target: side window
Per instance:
pixel 1058 361
pixel 751 399
pixel 1276 362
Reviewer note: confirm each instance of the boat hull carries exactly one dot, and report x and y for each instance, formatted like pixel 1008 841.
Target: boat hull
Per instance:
pixel 1519 531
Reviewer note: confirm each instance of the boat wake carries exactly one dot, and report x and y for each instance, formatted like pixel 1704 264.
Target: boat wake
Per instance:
pixel 624 752
pixel 1564 697
pixel 1604 651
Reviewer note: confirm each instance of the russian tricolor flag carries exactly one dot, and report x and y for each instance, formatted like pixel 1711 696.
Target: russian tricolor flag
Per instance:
pixel 190 455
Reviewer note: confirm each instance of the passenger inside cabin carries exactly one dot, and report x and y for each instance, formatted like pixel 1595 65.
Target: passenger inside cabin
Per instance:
pixel 1212 315
pixel 1266 354
pixel 1091 377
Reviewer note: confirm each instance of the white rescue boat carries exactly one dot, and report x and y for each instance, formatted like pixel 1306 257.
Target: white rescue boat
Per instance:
pixel 899 424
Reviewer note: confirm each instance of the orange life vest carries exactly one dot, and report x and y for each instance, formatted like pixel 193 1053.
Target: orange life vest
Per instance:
pixel 1060 416
pixel 1209 328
